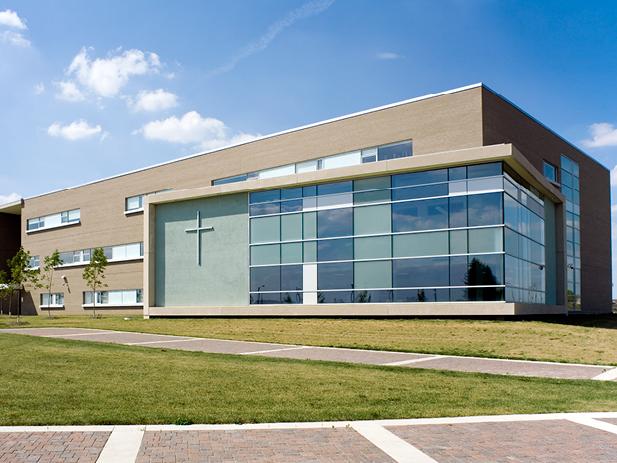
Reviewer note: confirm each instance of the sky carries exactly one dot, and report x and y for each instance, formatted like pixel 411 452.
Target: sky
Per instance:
pixel 92 89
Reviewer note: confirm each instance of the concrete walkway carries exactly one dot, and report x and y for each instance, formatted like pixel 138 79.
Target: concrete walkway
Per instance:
pixel 370 357
pixel 559 438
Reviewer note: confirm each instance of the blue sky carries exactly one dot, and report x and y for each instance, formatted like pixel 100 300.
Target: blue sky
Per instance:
pixel 89 89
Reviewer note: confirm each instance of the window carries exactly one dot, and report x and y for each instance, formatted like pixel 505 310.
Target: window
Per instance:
pixel 131 251
pixel 35 262
pixel 335 222
pixel 417 273
pixel 114 298
pixel 335 249
pixel 394 151
pixel 389 239
pixel 352 158
pixel 134 203
pixel 428 214
pixel 60 219
pixel 56 300
pixel 335 276
pixel 485 209
pixel 550 171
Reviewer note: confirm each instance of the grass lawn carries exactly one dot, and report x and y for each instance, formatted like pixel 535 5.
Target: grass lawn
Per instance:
pixel 584 340
pixel 51 381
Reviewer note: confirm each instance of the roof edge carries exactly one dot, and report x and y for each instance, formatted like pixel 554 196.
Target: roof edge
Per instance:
pixel 543 125
pixel 272 135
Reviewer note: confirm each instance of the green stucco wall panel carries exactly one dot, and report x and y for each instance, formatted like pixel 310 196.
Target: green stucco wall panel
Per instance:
pixel 222 277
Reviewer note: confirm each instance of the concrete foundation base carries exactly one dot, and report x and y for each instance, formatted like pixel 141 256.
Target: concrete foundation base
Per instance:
pixel 426 309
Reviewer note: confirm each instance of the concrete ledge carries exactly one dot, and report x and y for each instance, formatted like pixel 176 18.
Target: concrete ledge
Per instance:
pixel 426 309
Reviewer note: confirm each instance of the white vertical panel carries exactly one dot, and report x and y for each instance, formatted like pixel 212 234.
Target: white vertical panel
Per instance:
pixel 309 283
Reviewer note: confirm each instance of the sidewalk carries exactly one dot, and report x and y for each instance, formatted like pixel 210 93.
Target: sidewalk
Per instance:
pixel 561 437
pixel 370 357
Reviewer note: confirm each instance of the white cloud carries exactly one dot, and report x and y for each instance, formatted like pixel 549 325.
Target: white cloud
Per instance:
pixel 388 55
pixel 311 8
pixel 15 38
pixel 10 198
pixel 155 100
pixel 205 132
pixel 602 134
pixel 68 91
pixel 76 130
pixel 11 19
pixel 39 88
pixel 107 76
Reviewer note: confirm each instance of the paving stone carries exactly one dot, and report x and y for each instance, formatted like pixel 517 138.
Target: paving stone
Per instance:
pixel 504 367
pixel 551 441
pixel 330 445
pixel 345 355
pixel 48 447
pixel 218 346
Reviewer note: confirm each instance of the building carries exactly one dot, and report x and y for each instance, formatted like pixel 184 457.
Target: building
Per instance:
pixel 457 203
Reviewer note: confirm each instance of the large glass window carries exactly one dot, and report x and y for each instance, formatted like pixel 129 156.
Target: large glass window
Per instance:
pixel 428 214
pixel 335 222
pixel 390 239
pixel 570 187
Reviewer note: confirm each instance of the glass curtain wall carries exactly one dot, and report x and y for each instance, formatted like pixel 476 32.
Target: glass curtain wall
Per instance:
pixel 570 187
pixel 427 236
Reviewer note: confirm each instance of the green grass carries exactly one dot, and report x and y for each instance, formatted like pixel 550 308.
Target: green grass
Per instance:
pixel 52 381
pixel 584 340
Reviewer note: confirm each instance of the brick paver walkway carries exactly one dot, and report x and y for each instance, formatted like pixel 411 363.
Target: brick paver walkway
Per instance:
pixel 515 442
pixel 334 445
pixel 400 359
pixel 550 438
pixel 51 447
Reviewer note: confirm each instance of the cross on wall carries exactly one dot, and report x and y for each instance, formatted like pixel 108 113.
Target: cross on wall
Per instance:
pixel 198 230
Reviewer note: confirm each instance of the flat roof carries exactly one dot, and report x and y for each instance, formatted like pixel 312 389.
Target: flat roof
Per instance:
pixel 315 124
pixel 11 208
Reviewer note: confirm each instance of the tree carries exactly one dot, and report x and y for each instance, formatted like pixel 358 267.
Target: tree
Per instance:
pixel 47 276
pixel 5 290
pixel 94 274
pixel 21 275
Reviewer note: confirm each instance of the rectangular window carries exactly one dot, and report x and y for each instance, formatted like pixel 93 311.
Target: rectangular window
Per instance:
pixel 335 276
pixel 550 171
pixel 335 222
pixel 121 252
pixel 60 219
pixel 134 203
pixel 394 151
pixel 427 214
pixel 56 300
pixel 35 262
pixel 114 298
pixel 418 273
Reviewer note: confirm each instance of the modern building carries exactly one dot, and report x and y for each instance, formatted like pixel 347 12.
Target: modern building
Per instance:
pixel 457 203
